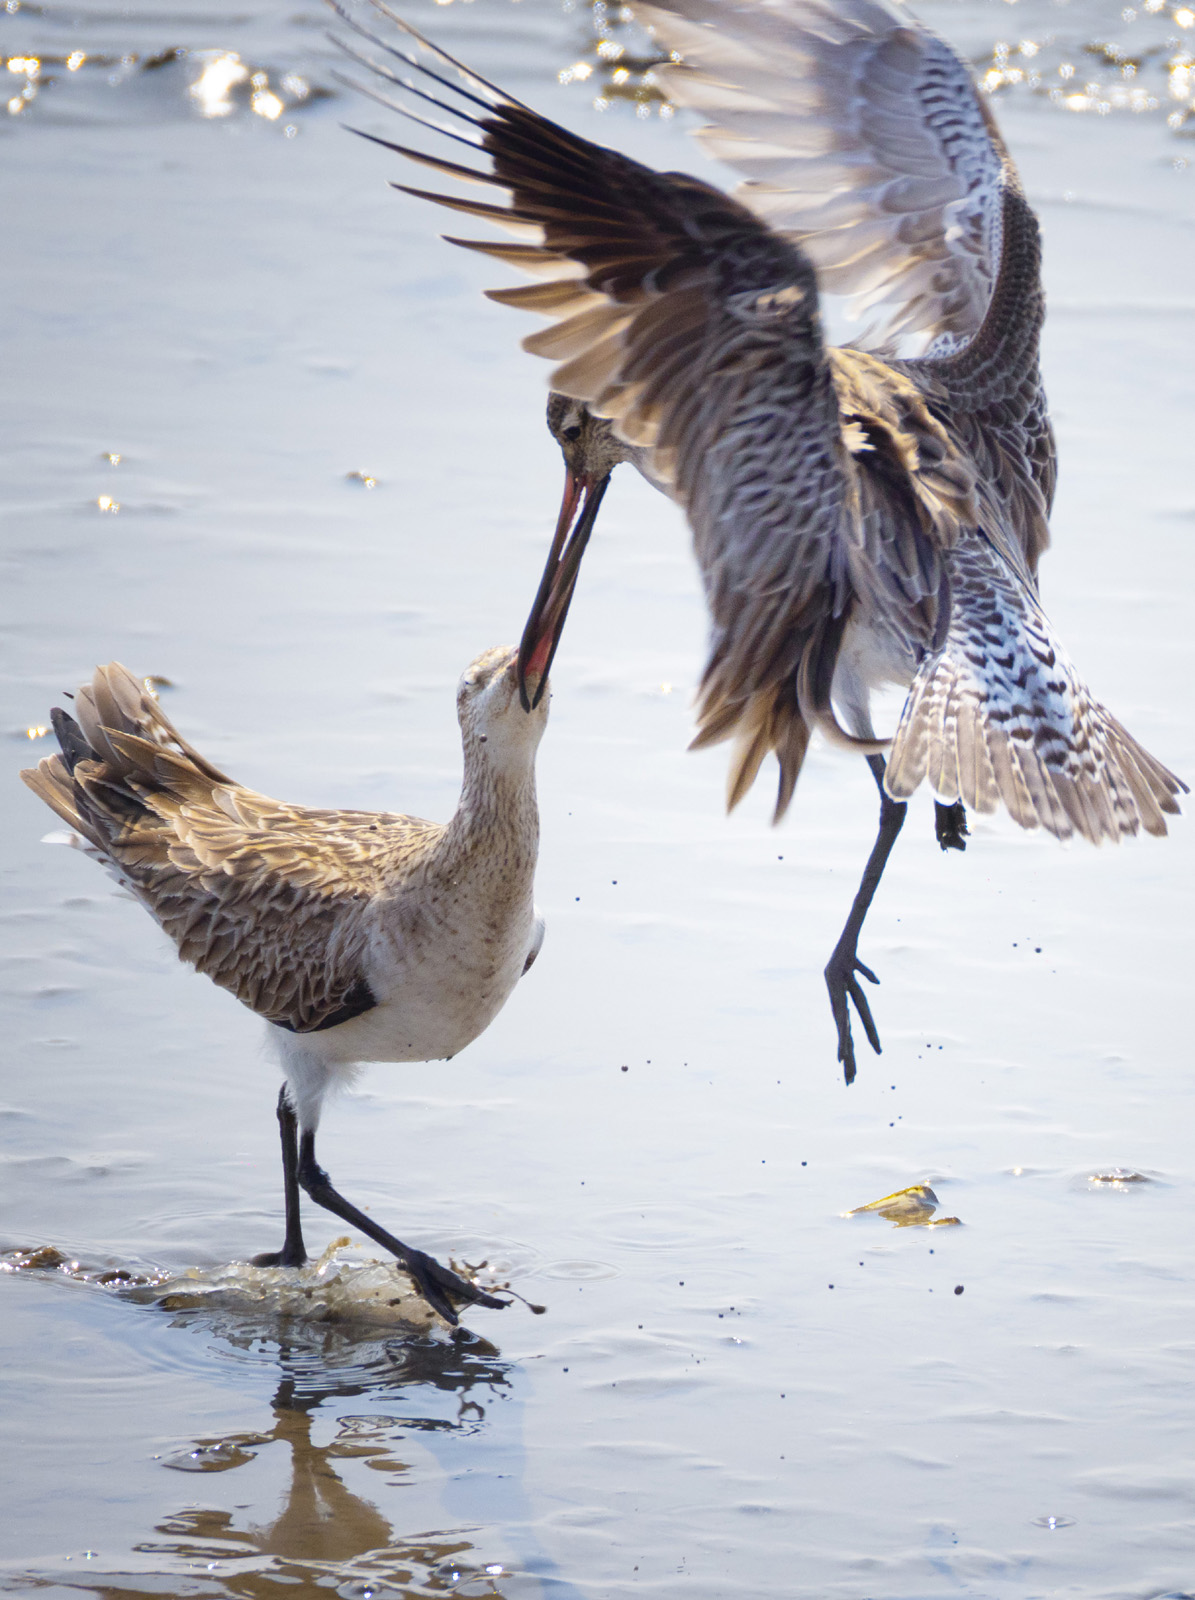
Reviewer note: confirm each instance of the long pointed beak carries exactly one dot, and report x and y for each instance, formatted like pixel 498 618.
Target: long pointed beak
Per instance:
pixel 537 648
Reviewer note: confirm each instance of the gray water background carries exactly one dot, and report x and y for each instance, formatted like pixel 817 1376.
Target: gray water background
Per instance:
pixel 736 1390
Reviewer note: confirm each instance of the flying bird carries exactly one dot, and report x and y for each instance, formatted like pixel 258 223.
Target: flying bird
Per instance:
pixel 866 515
pixel 359 936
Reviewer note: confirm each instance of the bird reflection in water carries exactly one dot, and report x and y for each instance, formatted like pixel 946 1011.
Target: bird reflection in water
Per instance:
pixel 326 1535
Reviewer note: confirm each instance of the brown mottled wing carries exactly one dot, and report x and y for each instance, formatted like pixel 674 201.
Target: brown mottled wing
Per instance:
pixel 991 391
pixel 1011 443
pixel 862 138
pixel 269 900
pixel 684 318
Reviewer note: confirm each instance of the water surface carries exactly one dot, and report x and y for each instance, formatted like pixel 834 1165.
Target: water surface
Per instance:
pixel 737 1390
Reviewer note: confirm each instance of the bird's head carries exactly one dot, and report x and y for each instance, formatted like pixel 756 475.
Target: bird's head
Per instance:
pixel 591 451
pixel 491 713
pixel 589 445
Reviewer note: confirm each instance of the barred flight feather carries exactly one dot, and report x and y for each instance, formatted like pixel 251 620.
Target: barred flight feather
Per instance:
pixel 828 491
pixel 1001 715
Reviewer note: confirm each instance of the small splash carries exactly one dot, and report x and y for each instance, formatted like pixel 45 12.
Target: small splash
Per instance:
pixel 365 479
pixel 1053 1522
pixel 48 1258
pixel 328 1290
pixel 331 1290
pixel 909 1208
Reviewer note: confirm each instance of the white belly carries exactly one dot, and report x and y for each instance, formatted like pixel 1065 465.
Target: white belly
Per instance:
pixel 434 995
pixel 869 658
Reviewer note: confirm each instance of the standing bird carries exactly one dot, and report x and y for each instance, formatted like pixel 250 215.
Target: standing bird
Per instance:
pixel 358 935
pixel 860 517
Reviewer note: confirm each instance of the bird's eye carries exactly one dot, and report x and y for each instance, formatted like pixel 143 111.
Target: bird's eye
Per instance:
pixel 573 432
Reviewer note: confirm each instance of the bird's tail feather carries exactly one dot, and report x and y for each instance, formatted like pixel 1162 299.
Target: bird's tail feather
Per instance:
pixel 769 720
pixel 1000 715
pixel 121 763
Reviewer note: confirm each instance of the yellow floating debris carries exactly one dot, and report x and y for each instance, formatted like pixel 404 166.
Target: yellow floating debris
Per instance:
pixel 909 1208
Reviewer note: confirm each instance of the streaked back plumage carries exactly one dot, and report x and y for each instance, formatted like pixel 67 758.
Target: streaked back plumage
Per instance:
pixel 857 502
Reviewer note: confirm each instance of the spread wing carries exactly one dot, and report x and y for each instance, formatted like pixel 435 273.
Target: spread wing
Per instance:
pixel 681 315
pixel 269 900
pixel 862 137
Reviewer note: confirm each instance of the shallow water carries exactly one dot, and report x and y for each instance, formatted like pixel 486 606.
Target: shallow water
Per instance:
pixel 737 1389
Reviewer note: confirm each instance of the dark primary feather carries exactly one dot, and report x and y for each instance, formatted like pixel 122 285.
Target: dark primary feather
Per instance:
pixel 823 486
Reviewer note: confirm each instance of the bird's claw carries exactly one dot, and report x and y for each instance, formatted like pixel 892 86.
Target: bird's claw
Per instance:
pixel 436 1283
pixel 950 825
pixel 843 985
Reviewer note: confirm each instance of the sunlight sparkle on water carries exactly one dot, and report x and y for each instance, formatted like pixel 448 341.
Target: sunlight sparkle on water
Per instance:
pixel 1138 76
pixel 221 72
pixel 266 104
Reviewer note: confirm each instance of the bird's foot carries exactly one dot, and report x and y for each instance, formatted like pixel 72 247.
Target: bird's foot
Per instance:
pixel 950 825
pixel 288 1256
pixel 439 1286
pixel 843 985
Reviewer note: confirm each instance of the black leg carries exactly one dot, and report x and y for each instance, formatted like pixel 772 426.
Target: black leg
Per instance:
pixel 950 825
pixel 293 1252
pixel 844 963
pixel 434 1282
